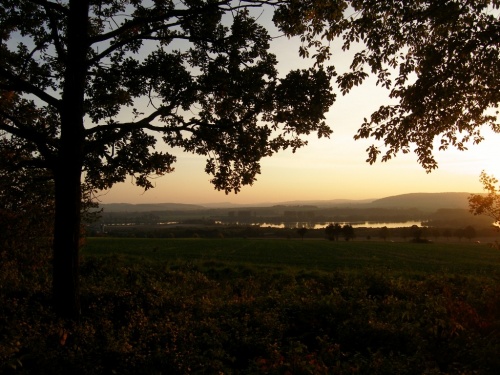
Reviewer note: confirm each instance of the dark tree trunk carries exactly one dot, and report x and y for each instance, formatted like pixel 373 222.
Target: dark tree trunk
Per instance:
pixel 68 168
pixel 66 291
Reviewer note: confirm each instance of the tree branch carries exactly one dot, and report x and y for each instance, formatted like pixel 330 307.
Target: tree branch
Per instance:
pixel 22 131
pixel 135 22
pixel 19 85
pixel 176 13
pixel 53 28
pixel 143 36
pixel 184 14
pixel 144 123
pixel 51 5
pixel 113 132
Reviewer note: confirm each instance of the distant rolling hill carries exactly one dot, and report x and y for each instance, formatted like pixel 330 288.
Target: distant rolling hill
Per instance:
pixel 429 202
pixel 149 207
pixel 424 201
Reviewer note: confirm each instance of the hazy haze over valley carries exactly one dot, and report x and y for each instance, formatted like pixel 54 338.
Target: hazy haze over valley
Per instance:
pixel 425 201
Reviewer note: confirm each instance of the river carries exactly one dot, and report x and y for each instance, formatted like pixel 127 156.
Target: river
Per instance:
pixel 365 224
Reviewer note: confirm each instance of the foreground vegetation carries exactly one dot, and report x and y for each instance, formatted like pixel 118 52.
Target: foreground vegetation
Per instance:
pixel 236 306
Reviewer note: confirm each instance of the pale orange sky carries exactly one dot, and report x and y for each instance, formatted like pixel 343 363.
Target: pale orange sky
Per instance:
pixel 326 169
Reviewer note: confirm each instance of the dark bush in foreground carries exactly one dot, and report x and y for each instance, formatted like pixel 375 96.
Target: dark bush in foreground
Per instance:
pixel 211 318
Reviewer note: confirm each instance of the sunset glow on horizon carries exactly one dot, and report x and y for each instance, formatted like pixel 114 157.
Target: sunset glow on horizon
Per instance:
pixel 326 169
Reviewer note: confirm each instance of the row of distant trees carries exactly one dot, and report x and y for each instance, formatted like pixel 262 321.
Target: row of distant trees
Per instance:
pixel 333 231
pixel 420 233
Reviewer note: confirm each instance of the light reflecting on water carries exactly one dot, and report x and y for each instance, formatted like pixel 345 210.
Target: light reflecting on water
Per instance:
pixel 366 224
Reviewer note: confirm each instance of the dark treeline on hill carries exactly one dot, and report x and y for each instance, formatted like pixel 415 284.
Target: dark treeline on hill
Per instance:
pixel 208 229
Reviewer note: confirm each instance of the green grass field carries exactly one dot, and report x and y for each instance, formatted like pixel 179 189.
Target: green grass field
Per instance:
pixel 406 258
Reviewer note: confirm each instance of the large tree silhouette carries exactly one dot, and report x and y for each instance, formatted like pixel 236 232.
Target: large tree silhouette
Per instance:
pixel 92 86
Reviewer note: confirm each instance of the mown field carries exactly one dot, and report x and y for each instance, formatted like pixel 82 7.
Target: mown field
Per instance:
pixel 259 306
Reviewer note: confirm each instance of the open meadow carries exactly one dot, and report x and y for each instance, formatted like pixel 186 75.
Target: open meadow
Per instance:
pixel 401 258
pixel 260 306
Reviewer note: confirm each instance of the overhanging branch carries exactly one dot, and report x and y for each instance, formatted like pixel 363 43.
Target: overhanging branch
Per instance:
pixel 181 15
pixel 51 5
pixel 14 83
pixel 53 28
pixel 21 131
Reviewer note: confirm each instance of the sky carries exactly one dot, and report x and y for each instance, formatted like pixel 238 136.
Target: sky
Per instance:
pixel 325 169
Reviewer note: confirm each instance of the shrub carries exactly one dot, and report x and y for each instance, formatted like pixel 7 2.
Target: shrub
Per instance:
pixel 212 317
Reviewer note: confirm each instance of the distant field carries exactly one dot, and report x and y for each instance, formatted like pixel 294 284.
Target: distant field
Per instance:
pixel 403 258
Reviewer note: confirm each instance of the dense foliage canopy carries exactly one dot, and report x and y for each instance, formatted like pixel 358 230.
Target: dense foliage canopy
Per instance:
pixel 438 59
pixel 199 73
